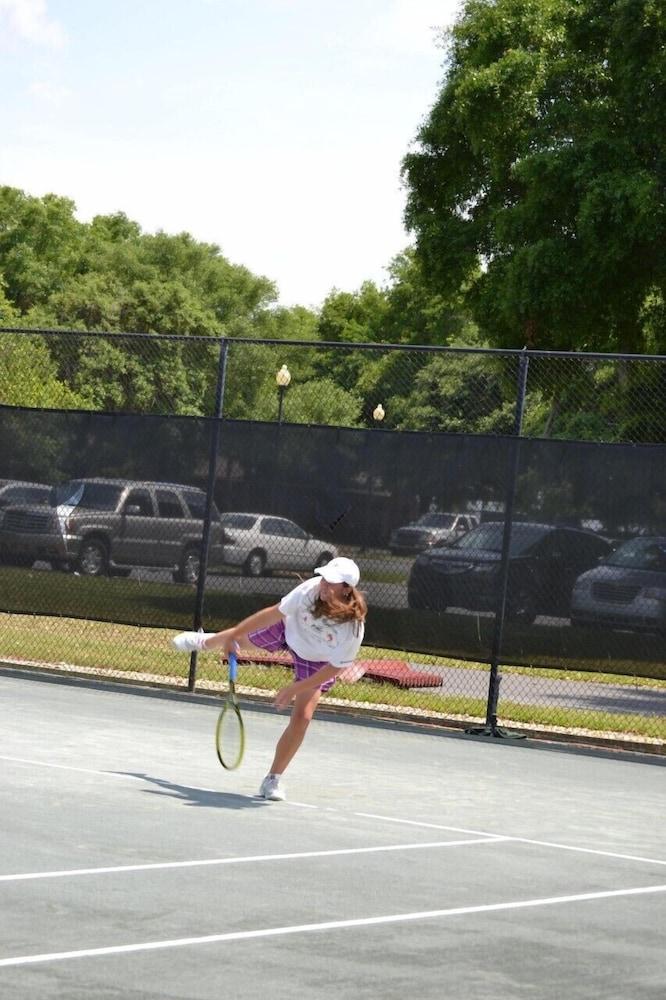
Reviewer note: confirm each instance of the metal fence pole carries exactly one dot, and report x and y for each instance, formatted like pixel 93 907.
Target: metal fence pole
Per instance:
pixel 491 728
pixel 210 496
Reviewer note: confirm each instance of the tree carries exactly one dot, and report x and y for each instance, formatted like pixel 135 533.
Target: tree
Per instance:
pixel 458 393
pixel 418 312
pixel 8 315
pixel 350 318
pixel 108 275
pixel 409 309
pixel 544 157
pixel 28 375
pixel 40 246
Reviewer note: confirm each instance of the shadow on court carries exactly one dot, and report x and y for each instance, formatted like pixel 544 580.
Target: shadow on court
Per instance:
pixel 192 796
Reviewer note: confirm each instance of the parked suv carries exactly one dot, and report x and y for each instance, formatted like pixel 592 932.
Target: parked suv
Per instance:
pixel 431 530
pixel 100 526
pixel 13 491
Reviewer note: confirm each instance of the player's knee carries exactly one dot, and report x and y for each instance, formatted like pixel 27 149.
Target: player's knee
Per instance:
pixel 302 715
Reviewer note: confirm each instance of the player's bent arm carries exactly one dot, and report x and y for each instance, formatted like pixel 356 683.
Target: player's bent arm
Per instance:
pixel 237 635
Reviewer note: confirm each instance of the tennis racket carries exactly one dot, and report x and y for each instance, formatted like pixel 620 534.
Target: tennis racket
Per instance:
pixel 230 731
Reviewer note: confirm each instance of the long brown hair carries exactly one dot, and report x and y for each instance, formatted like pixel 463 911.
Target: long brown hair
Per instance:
pixel 351 607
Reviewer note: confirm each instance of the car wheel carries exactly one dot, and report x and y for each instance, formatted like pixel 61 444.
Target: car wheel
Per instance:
pixel 93 558
pixel 521 608
pixel 322 560
pixel 255 564
pixel 188 568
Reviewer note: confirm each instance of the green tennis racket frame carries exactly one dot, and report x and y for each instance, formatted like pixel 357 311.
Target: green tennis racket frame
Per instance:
pixel 230 761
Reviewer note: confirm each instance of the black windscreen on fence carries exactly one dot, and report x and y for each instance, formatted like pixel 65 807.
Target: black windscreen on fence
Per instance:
pixel 421 513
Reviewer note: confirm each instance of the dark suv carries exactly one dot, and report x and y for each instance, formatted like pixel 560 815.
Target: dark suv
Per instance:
pixel 108 526
pixel 544 562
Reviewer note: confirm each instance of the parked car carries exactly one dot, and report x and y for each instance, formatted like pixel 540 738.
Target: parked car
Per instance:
pixel 260 543
pixel 544 562
pixel 430 530
pixel 100 526
pixel 627 590
pixel 14 491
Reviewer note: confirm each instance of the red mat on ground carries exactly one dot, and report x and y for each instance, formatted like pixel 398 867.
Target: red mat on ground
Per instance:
pixel 396 672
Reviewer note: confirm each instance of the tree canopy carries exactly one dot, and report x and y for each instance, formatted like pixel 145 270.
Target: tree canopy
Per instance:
pixel 107 275
pixel 544 158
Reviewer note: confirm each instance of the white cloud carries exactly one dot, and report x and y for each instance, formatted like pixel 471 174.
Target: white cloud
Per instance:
pixel 28 20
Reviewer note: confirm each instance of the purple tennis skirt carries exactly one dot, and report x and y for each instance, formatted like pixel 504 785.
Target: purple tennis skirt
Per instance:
pixel 273 639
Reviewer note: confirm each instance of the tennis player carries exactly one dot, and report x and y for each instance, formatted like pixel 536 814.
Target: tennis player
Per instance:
pixel 320 623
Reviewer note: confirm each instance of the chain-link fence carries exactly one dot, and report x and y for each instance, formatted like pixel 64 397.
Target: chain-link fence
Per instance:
pixel 507 510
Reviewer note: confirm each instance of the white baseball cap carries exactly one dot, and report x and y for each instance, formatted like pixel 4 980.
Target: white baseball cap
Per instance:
pixel 340 570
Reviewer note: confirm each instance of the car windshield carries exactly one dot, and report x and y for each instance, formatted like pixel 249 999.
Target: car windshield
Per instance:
pixel 242 521
pixel 640 553
pixel 24 494
pixel 92 496
pixel 435 521
pixel 488 537
pixel 35 494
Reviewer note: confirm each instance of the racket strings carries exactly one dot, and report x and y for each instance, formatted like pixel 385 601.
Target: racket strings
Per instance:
pixel 230 737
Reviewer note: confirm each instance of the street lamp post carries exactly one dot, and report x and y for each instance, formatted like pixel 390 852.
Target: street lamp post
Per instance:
pixel 378 415
pixel 282 380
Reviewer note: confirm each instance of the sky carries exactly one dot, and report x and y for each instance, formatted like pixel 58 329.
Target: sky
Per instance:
pixel 272 128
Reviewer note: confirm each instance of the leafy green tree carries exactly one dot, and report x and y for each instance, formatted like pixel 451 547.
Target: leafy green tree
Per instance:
pixel 8 315
pixel 108 275
pixel 350 318
pixel 458 393
pixel 28 375
pixel 317 401
pixel 544 157
pixel 418 311
pixel 294 323
pixel 409 309
pixel 40 246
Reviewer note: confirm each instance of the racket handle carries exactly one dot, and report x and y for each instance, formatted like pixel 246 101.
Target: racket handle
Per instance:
pixel 233 665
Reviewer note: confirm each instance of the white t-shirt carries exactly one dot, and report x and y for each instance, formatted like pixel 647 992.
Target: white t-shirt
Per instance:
pixel 318 639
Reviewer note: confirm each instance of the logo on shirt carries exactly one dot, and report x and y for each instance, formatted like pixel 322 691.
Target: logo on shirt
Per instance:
pixel 319 628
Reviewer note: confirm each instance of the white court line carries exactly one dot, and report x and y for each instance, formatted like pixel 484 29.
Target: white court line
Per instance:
pixel 387 819
pixel 26 876
pixel 518 840
pixel 394 918
pixel 80 770
pixel 430 826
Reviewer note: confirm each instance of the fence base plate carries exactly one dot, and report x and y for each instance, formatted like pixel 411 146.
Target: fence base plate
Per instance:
pixel 495 731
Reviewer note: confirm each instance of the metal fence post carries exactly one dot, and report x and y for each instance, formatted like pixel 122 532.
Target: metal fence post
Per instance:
pixel 210 497
pixel 491 728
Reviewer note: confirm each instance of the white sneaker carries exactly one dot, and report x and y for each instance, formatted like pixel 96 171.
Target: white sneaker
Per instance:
pixel 189 642
pixel 271 788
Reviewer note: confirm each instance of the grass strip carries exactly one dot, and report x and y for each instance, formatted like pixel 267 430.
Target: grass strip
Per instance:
pixel 109 648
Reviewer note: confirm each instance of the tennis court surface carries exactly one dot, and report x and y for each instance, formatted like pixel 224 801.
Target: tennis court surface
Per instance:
pixel 406 863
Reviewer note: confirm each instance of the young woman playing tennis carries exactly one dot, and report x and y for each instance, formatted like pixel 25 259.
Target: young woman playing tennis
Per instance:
pixel 321 623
